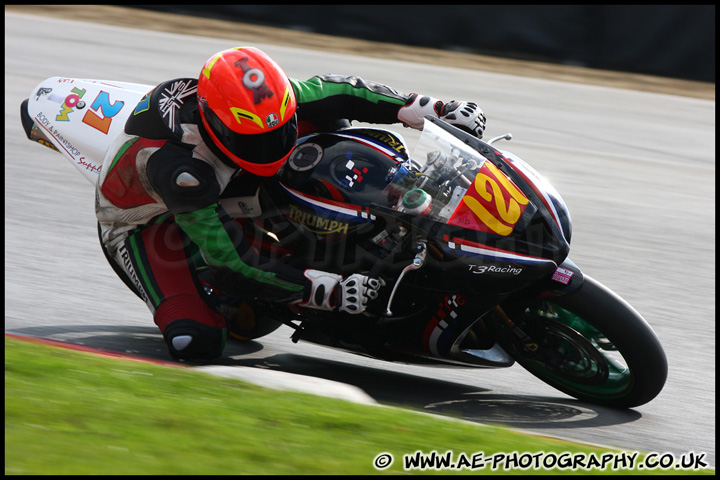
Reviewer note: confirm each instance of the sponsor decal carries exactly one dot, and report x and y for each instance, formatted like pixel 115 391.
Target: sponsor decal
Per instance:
pixel 492 203
pixel 42 121
pixel 392 148
pixel 42 91
pixel 316 224
pixel 88 165
pixel 71 101
pixel 241 207
pixel 355 174
pixel 247 210
pixel 99 115
pixel 254 79
pixel 480 269
pixel 388 140
pixel 130 270
pixel 144 103
pixel 563 275
pixel 106 108
pixel 272 120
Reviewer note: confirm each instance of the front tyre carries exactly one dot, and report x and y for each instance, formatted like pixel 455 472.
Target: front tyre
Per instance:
pixel 590 344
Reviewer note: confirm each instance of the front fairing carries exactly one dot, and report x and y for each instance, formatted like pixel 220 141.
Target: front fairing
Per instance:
pixel 478 203
pixel 474 203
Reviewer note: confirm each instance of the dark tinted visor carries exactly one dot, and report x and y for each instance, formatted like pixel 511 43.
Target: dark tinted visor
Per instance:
pixel 259 148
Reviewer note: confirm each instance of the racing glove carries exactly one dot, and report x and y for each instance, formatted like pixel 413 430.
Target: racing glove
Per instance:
pixel 329 291
pixel 464 115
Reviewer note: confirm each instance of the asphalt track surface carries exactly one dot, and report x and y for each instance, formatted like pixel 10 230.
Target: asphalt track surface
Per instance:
pixel 637 170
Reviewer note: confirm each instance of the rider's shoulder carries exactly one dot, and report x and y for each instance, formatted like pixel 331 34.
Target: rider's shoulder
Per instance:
pixel 162 111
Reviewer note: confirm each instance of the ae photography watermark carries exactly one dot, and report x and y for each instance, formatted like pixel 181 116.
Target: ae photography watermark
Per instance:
pixel 542 461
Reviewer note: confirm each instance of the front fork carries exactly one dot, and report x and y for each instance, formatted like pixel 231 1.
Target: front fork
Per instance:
pixel 565 279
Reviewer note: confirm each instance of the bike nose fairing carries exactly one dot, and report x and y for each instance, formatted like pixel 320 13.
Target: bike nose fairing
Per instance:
pixel 476 200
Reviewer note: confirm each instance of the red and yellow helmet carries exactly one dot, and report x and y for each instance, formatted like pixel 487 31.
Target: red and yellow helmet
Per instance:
pixel 247 106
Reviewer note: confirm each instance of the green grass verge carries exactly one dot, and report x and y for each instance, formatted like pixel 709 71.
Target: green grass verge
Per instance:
pixel 75 413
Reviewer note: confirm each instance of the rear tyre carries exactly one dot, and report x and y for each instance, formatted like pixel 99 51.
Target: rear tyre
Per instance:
pixel 247 321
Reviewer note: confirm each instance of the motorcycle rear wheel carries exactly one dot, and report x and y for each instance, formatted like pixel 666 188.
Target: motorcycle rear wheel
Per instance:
pixel 248 322
pixel 590 344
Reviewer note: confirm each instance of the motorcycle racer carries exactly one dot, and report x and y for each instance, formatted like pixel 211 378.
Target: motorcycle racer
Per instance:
pixel 157 198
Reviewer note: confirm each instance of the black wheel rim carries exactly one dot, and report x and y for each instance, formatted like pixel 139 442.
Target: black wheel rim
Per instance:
pixel 570 352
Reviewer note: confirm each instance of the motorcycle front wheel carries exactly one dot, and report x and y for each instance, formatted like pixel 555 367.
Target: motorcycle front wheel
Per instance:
pixel 590 344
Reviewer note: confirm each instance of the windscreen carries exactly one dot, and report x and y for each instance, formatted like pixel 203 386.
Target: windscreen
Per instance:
pixel 452 183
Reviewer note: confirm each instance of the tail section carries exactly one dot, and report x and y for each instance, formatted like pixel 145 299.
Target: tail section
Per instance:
pixel 80 118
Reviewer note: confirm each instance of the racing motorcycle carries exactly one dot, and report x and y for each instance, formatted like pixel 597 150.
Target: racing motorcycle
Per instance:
pixel 470 242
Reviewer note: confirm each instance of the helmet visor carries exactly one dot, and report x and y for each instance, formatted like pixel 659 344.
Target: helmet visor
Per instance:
pixel 258 148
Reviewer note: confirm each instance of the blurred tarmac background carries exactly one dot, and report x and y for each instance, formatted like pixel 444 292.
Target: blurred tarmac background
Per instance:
pixel 669 40
pixel 655 48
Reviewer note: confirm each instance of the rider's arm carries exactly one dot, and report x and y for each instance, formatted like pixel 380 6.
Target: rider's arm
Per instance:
pixel 329 97
pixel 190 191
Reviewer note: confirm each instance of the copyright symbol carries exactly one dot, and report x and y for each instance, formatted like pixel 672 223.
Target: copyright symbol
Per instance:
pixel 383 461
